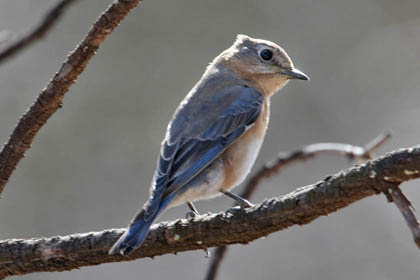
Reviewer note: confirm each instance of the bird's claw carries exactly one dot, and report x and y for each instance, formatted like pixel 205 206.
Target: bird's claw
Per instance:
pixel 190 215
pixel 246 204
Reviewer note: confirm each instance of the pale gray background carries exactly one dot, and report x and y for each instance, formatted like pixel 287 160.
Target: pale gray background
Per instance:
pixel 89 167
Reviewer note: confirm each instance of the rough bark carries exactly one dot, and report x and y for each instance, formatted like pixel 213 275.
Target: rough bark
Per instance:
pixel 50 98
pixel 305 204
pixel 352 152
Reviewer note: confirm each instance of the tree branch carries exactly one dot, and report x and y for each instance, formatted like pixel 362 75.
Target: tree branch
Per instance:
pixel 305 204
pixel 284 160
pixel 407 210
pixel 38 32
pixel 50 98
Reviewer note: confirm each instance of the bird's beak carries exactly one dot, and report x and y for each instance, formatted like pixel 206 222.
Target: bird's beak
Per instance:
pixel 295 74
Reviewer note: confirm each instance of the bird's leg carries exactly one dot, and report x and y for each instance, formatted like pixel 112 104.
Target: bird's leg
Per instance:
pixel 241 201
pixel 194 212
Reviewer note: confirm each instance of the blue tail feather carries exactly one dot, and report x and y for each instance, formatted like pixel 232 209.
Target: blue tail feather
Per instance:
pixel 138 230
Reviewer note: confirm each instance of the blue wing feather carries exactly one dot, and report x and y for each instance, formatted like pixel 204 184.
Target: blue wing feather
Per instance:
pixel 204 140
pixel 200 132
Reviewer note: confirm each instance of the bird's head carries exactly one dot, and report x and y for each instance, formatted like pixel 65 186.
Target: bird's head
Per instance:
pixel 262 62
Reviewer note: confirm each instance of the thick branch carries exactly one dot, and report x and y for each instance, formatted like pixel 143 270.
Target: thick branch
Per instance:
pixel 299 207
pixel 286 159
pixel 38 32
pixel 49 100
pixel 283 160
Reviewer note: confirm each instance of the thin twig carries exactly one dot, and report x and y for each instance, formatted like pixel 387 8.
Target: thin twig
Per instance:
pixel 216 259
pixel 38 32
pixel 285 159
pixel 50 98
pixel 408 212
pixel 235 226
pixel 376 143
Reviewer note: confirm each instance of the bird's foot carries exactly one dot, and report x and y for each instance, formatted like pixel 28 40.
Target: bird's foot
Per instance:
pixel 246 204
pixel 190 215
pixel 243 203
pixel 193 213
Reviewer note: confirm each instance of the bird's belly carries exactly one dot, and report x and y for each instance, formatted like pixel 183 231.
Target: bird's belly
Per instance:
pixel 239 160
pixel 206 185
pixel 225 173
pixel 230 168
pixel 240 157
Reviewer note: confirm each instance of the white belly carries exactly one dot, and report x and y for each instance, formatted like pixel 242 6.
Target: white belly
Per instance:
pixel 211 181
pixel 243 161
pixel 231 168
pixel 207 185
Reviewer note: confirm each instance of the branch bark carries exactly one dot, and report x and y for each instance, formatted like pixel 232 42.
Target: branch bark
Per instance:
pixel 38 32
pixel 50 98
pixel 285 159
pixel 305 204
pixel 407 210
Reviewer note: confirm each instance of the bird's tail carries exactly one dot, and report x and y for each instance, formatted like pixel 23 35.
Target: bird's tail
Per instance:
pixel 137 231
pixel 133 236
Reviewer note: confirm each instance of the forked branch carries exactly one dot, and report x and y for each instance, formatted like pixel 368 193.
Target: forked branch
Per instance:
pixel 283 160
pixel 38 32
pixel 50 98
pixel 299 207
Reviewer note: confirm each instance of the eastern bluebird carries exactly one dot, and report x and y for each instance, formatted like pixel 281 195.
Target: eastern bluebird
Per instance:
pixel 216 132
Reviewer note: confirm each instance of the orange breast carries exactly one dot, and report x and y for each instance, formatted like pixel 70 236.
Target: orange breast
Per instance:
pixel 240 157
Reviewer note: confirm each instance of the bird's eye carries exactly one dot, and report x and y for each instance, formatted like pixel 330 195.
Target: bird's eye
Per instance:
pixel 266 54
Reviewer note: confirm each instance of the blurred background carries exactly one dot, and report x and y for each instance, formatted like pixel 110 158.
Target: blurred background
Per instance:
pixel 89 168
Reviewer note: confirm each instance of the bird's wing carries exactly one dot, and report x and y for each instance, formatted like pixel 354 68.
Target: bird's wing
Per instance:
pixel 198 134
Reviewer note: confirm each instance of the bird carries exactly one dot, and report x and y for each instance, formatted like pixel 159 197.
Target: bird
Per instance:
pixel 215 134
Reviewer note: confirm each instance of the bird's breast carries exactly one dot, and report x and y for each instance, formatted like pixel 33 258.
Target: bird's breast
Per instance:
pixel 240 157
